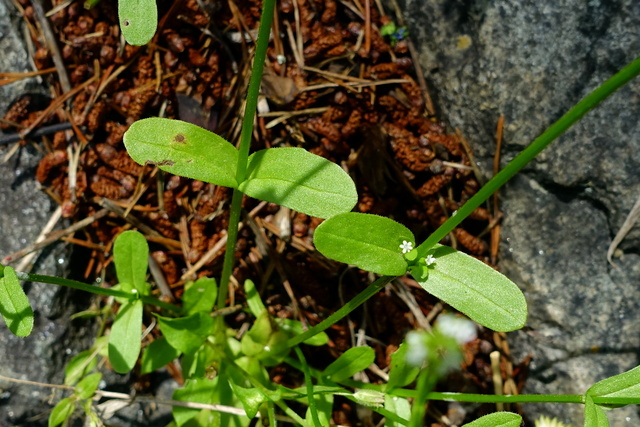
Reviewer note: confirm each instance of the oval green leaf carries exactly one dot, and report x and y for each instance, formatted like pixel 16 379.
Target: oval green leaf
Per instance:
pixel 186 334
pixel 350 362
pixel 156 355
pixel 62 411
pixel 183 149
pixel 475 289
pixel 14 304
pixel 130 255
pixel 199 296
pixel 138 20
pixel 299 180
pixel 497 419
pixel 251 398
pixel 81 364
pixel 124 340
pixel 626 384
pixel 88 385
pixel 370 242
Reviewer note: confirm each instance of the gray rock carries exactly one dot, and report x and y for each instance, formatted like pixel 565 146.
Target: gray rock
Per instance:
pixel 532 61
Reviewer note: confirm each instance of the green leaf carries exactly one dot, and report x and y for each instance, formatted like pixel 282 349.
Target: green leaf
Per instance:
pixel 299 180
pixel 156 355
pixel 349 363
pixel 138 20
pixel 199 296
pixel 253 299
pixel 79 366
pixel 259 333
pixel 594 415
pixel 324 409
pixel 497 419
pixel 61 412
pixel 199 363
pixel 401 373
pixel 14 304
pixel 124 340
pixel 276 349
pixel 130 255
pixel 626 384
pixel 251 398
pixel 294 327
pixel 186 334
pixel 399 406
pixel 475 289
pixel 370 242
pixel 183 149
pixel 88 385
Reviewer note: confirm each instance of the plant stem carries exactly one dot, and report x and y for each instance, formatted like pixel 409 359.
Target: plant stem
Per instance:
pixel 262 43
pixel 369 291
pixel 425 384
pixel 309 385
pixel 53 280
pixel 539 144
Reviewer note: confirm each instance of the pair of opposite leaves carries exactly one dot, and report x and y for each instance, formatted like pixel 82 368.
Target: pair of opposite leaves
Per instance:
pixel 311 184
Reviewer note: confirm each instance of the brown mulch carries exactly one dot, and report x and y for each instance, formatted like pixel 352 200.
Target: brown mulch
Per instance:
pixel 332 85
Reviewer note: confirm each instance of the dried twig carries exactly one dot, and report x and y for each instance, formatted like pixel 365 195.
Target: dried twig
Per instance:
pixel 55 236
pixel 629 222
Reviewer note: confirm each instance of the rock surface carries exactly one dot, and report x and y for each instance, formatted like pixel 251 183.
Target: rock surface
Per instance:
pixel 532 61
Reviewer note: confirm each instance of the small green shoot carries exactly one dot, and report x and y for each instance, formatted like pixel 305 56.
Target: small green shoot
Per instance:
pixel 130 253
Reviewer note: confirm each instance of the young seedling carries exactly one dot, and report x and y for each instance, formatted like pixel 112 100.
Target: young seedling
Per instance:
pixel 130 254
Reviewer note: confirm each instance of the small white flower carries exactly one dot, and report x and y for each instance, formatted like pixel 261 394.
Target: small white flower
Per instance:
pixel 458 328
pixel 430 259
pixel 406 246
pixel 417 350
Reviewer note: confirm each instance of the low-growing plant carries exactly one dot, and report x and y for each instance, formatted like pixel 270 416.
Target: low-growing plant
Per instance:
pixel 227 373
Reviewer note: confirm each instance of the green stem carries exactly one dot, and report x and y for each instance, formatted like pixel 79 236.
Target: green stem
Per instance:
pixel 425 384
pixel 343 311
pixel 309 386
pixel 539 144
pixel 262 43
pixel 53 280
